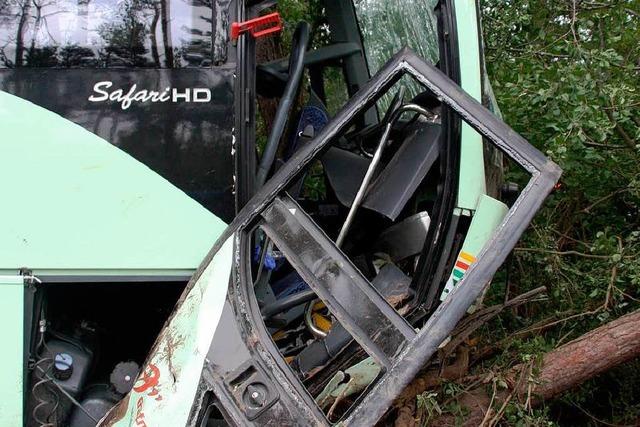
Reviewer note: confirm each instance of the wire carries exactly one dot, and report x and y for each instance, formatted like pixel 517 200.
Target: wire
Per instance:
pixel 44 401
pixel 71 398
pixel 46 380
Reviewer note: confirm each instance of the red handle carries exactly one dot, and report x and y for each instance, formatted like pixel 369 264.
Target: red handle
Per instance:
pixel 258 27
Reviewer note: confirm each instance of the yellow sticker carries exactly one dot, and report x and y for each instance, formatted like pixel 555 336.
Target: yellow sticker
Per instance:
pixel 467 257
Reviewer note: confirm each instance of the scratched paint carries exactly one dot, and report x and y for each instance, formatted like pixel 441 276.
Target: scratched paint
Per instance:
pixel 148 382
pixel 139 420
pixel 166 387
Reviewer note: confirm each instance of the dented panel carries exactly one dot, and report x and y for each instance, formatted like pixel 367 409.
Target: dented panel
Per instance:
pixel 173 369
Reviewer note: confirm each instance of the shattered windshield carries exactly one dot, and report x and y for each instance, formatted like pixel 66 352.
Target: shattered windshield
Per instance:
pixel 389 25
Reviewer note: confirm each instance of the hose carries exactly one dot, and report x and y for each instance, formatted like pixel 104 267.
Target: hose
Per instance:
pixel 45 382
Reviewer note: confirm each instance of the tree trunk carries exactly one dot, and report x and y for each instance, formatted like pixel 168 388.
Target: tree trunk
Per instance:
pixel 564 368
pixel 593 353
pixel 152 34
pixel 22 26
pixel 166 33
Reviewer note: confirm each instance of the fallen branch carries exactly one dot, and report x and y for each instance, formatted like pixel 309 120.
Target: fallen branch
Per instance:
pixel 563 368
pixel 575 253
pixel 406 402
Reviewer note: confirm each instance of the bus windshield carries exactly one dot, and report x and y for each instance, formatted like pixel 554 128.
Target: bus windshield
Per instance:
pixel 389 25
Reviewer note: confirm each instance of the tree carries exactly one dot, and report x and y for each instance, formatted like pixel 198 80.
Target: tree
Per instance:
pixel 74 55
pixel 566 75
pixel 196 49
pixel 124 36
pixel 23 17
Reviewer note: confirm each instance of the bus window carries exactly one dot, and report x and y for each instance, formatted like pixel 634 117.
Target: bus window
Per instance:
pixel 106 33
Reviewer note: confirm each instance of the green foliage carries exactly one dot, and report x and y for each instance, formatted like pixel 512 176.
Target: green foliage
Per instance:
pixel 125 34
pixel 575 97
pixel 615 392
pixel 311 11
pixel 566 75
pixel 517 415
pixel 428 407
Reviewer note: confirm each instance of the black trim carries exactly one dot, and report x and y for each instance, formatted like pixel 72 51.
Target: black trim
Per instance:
pixel 245 128
pixel 300 41
pixel 110 279
pixel 435 252
pixel 483 67
pixel 31 309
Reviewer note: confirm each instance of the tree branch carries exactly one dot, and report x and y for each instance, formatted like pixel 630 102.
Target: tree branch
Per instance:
pixel 562 369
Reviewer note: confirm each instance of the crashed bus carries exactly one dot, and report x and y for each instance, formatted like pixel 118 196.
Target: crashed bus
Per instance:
pixel 161 266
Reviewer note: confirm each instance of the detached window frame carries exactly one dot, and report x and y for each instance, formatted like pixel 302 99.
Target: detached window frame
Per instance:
pixel 401 351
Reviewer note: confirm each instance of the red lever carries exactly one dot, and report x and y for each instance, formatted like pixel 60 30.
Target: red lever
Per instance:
pixel 258 27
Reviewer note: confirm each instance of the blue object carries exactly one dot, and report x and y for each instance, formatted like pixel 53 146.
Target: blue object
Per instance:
pixel 290 284
pixel 269 261
pixel 310 115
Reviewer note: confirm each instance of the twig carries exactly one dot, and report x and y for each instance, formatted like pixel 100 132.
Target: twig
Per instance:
pixel 626 295
pixel 480 317
pixel 575 316
pixel 632 12
pixel 610 147
pixel 602 199
pixel 576 253
pixel 607 300
pixel 562 338
pixel 527 403
pixel 619 129
pixel 569 237
pixel 487 414
pixel 598 420
pixel 489 350
pixel 573 21
pixel 517 386
pixel 498 416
